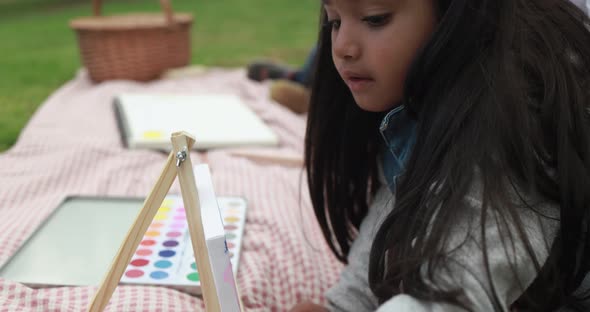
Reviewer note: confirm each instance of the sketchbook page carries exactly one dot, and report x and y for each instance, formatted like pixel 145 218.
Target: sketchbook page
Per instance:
pixel 214 120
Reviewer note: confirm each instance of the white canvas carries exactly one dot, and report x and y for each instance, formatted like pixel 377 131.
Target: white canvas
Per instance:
pixel 216 121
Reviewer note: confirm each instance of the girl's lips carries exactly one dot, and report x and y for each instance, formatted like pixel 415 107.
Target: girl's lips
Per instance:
pixel 357 81
pixel 359 84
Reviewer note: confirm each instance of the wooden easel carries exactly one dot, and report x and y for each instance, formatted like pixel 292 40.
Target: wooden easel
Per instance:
pixel 179 163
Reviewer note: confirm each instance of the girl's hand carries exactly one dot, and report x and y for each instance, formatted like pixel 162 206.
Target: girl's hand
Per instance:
pixel 308 306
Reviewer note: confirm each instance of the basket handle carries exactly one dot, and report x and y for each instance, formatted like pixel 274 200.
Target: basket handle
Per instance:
pixel 165 4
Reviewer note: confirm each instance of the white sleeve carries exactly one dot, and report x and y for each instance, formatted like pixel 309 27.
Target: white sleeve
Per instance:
pixel 466 270
pixel 352 291
pixel 407 303
pixel 584 5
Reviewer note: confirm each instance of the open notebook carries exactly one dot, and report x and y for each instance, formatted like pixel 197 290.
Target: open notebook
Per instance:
pixel 215 120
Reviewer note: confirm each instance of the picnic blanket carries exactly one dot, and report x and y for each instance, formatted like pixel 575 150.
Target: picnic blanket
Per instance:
pixel 72 146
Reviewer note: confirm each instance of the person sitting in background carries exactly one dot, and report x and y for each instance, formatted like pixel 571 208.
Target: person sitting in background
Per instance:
pixel 291 86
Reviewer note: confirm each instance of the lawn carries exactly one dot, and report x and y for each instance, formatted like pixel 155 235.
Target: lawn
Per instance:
pixel 38 51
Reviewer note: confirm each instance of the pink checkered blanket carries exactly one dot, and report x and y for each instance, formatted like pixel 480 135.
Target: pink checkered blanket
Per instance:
pixel 72 146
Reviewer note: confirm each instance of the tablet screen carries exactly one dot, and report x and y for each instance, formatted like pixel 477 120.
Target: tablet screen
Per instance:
pixel 75 244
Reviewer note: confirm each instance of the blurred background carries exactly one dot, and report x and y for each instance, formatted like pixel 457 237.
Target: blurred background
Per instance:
pixel 39 52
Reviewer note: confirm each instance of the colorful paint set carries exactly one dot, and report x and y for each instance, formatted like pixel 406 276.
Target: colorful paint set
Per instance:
pixel 165 255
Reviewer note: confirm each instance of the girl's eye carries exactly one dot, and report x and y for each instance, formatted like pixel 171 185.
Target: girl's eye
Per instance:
pixel 333 24
pixel 377 20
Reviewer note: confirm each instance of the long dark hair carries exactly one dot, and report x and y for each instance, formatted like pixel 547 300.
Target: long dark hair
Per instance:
pixel 501 90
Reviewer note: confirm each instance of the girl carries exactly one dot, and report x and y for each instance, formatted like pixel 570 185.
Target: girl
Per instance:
pixel 448 153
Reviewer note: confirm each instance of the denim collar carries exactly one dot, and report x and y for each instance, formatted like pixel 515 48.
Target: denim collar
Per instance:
pixel 398 130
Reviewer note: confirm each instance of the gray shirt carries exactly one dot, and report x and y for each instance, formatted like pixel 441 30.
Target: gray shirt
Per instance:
pixel 467 270
pixel 584 5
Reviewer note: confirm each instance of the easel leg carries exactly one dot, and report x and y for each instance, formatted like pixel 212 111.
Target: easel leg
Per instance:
pixel 190 196
pixel 134 236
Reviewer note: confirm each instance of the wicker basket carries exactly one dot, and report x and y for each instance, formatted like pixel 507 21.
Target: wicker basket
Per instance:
pixel 134 46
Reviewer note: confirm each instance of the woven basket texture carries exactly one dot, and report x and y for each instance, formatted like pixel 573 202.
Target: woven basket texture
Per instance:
pixel 133 46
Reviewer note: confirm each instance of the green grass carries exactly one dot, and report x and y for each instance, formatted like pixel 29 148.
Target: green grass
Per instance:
pixel 38 51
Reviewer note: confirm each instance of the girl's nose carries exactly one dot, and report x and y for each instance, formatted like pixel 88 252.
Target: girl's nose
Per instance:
pixel 344 45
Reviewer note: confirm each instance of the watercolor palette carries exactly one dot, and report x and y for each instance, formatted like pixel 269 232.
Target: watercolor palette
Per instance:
pixel 165 255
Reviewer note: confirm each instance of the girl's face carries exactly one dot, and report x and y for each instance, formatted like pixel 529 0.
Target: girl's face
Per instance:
pixel 373 44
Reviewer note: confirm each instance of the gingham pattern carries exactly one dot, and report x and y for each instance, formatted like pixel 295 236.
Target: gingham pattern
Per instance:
pixel 72 146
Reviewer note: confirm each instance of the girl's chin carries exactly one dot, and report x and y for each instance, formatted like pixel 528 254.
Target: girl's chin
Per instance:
pixel 372 105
